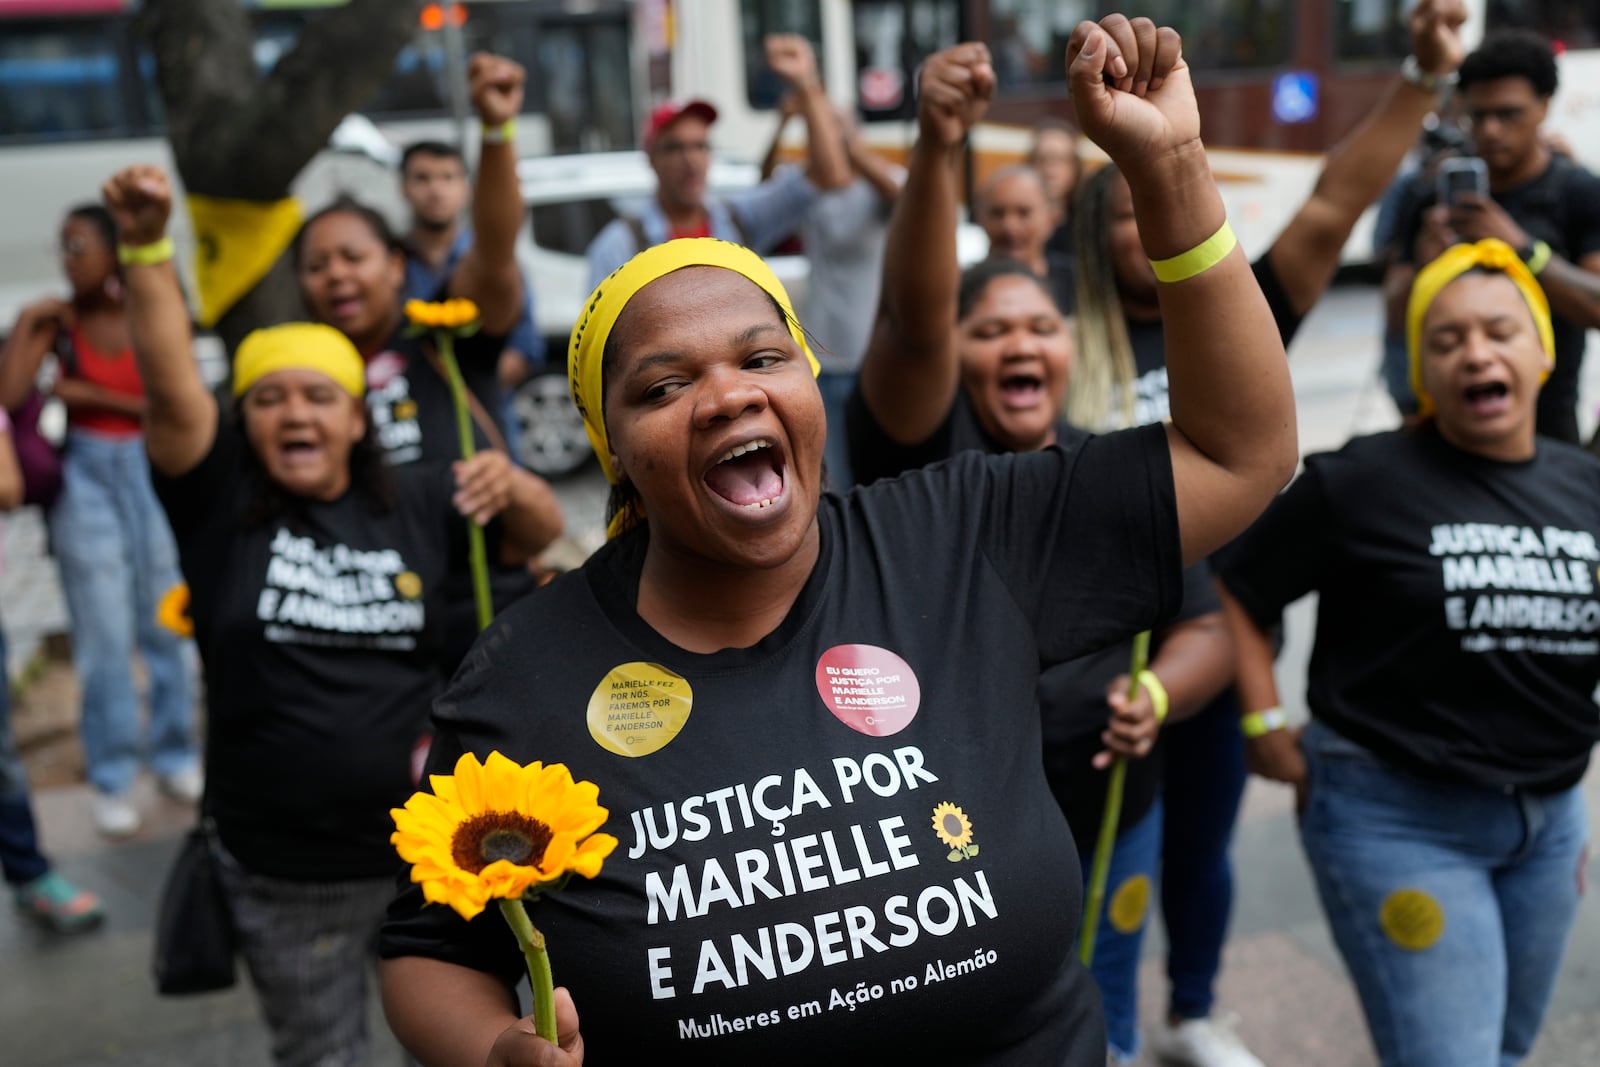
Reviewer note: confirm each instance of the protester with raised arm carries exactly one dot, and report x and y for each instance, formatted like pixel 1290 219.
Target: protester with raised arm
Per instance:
pixel 317 577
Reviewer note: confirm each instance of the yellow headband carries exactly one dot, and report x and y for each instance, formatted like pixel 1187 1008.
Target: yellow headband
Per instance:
pixel 1457 260
pixel 605 304
pixel 299 346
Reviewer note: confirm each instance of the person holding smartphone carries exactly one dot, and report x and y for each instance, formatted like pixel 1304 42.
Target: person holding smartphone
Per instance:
pixel 1534 199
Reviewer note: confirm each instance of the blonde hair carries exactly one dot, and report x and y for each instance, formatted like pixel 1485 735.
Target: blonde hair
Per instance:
pixel 1102 395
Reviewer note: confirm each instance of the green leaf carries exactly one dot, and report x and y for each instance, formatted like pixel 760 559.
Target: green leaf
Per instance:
pixel 972 850
pixel 955 855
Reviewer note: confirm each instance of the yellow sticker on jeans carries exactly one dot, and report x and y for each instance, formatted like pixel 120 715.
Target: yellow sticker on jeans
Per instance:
pixel 637 708
pixel 1128 904
pixel 1412 919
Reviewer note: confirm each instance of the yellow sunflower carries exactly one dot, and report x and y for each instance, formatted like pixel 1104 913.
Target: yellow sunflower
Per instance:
pixel 500 830
pixel 952 825
pixel 173 611
pixel 447 314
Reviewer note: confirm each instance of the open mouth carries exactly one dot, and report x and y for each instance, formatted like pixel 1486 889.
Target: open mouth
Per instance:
pixel 749 475
pixel 1021 390
pixel 1488 398
pixel 295 453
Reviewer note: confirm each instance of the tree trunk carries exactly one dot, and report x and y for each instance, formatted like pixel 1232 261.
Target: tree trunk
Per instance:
pixel 242 136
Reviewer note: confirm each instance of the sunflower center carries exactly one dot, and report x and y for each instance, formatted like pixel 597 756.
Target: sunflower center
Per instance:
pixel 499 835
pixel 952 825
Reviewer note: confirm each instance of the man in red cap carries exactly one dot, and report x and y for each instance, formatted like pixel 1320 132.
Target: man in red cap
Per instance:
pixel 677 139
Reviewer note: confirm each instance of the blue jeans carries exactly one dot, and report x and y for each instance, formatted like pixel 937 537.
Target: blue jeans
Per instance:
pixel 1203 782
pixel 1451 904
pixel 117 558
pixel 836 388
pixel 20 859
pixel 1123 920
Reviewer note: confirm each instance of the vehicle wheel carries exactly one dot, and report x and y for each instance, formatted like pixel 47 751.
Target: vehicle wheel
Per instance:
pixel 551 440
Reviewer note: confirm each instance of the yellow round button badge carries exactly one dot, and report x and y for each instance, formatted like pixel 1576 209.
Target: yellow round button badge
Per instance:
pixel 638 708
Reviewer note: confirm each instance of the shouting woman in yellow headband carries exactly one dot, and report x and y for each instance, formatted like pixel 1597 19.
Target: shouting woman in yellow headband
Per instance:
pixel 1480 341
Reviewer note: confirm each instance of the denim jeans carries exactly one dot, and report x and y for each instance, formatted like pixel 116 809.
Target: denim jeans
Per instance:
pixel 1451 904
pixel 20 859
pixel 836 388
pixel 1203 779
pixel 117 558
pixel 1124 917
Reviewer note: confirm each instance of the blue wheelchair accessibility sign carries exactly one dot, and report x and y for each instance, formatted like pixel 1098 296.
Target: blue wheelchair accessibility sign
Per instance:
pixel 1294 97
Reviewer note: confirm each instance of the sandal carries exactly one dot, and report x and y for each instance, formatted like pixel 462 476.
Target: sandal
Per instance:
pixel 59 905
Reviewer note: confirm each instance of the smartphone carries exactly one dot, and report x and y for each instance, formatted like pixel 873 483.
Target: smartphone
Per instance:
pixel 1462 174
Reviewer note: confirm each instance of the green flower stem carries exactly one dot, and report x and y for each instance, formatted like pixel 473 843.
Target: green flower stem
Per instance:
pixel 1101 868
pixel 544 989
pixel 478 555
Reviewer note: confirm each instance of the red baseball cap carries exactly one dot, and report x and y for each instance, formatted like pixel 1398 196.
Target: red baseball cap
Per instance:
pixel 666 114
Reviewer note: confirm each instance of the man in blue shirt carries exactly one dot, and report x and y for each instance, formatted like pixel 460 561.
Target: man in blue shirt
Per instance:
pixel 677 139
pixel 433 180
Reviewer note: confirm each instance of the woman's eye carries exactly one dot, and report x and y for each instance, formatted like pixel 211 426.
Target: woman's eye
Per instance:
pixel 660 389
pixel 763 359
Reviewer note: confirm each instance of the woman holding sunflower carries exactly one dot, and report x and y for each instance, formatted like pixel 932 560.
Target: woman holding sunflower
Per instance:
pixel 316 576
pixel 819 752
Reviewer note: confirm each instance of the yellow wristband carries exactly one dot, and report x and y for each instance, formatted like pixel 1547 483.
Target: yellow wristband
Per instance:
pixel 1199 259
pixel 1158 693
pixel 1260 723
pixel 146 255
pixel 504 133
pixel 1539 258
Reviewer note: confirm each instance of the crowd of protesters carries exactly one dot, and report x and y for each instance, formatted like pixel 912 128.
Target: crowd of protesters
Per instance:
pixel 990 479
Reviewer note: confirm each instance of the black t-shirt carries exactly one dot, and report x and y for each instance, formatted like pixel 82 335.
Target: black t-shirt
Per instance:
pixel 1149 342
pixel 1458 631
pixel 1062 274
pixel 318 634
pixel 874 454
pixel 1071 695
pixel 1562 208
pixel 791 834
pixel 413 417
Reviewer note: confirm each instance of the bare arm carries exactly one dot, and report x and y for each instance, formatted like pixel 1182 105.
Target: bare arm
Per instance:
pixel 34 334
pixel 489 486
pixel 910 373
pixel 180 413
pixel 1232 432
pixel 1194 663
pixel 79 395
pixel 791 58
pixel 488 273
pixel 451 1016
pixel 769 162
pixel 1359 168
pixel 10 472
pixel 867 163
pixel 1574 288
pixel 1274 755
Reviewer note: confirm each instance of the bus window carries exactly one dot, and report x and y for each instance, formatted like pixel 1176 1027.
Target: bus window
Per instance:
pixel 1572 24
pixel 583 85
pixel 893 37
pixel 61 82
pixel 1371 29
pixel 761 17
pixel 1028 38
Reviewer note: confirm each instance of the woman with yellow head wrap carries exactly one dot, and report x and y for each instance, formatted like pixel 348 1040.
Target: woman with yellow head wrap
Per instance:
pixel 317 581
pixel 746 636
pixel 1452 680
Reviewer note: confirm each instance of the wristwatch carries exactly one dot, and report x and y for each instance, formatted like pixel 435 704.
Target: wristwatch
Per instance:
pixel 1413 74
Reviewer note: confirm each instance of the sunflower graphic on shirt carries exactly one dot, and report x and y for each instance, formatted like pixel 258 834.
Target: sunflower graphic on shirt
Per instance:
pixel 953 827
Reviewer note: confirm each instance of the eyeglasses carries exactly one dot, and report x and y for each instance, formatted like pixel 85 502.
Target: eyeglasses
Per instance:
pixel 684 148
pixel 1505 116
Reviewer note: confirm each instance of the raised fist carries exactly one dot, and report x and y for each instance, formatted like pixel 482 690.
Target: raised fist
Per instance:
pixel 1131 90
pixel 954 93
pixel 140 201
pixel 495 85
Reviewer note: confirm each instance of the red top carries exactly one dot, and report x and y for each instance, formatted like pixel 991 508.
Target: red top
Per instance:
pixel 117 374
pixel 702 230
